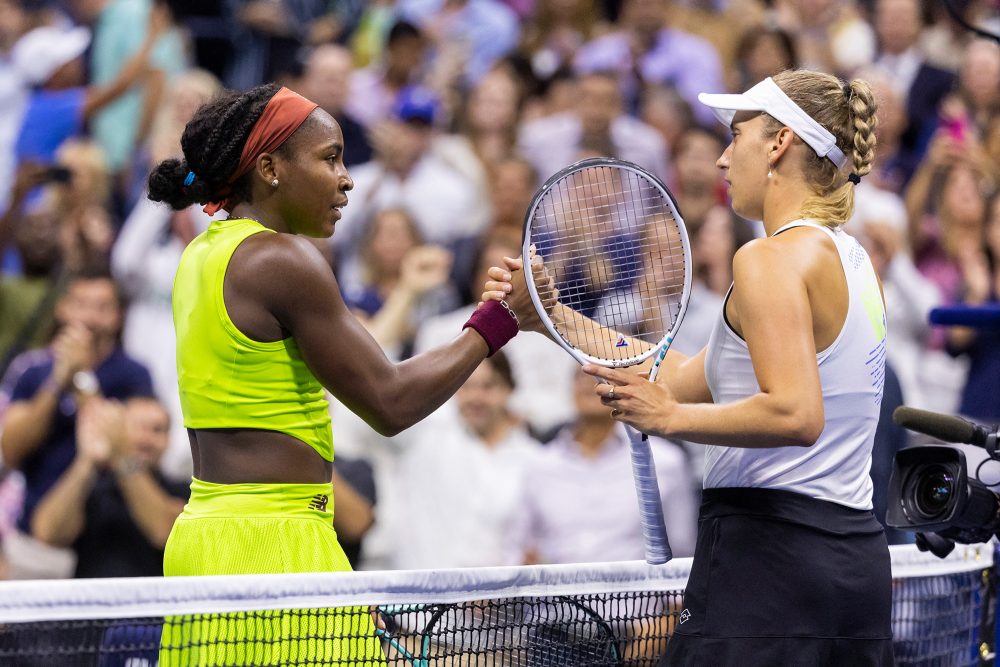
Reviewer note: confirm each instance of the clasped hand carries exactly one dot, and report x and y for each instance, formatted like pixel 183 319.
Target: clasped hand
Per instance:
pixel 507 283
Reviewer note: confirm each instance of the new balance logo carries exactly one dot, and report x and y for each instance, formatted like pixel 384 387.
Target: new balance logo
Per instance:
pixel 319 502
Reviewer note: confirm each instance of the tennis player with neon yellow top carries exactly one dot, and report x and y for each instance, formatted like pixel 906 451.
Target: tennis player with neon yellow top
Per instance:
pixel 791 566
pixel 261 331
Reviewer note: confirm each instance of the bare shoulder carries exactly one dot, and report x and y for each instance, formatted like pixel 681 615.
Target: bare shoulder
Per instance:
pixel 795 251
pixel 280 270
pixel 264 256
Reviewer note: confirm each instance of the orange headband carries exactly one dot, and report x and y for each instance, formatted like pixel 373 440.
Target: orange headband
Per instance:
pixel 284 113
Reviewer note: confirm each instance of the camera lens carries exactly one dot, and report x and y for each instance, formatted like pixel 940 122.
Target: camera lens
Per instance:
pixel 933 490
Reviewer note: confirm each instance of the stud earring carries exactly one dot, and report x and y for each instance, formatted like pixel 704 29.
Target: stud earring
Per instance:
pixel 274 183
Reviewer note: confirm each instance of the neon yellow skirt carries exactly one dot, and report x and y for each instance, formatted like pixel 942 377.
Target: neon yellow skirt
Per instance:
pixel 262 529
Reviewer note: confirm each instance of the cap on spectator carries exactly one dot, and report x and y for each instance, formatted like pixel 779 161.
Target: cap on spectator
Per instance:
pixel 416 103
pixel 42 51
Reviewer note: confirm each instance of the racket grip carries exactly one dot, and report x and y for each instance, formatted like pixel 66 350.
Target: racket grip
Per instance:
pixel 647 488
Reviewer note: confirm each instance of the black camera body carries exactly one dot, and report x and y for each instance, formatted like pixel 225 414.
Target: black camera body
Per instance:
pixel 930 491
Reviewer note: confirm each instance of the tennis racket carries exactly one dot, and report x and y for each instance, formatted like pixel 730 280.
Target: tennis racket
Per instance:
pixel 529 632
pixel 614 244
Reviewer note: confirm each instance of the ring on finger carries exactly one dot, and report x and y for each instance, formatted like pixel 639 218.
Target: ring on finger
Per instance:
pixel 611 393
pixel 615 412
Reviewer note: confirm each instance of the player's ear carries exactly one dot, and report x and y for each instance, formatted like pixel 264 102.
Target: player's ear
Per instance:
pixel 779 144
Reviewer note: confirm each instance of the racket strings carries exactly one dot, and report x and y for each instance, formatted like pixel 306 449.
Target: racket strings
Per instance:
pixel 610 240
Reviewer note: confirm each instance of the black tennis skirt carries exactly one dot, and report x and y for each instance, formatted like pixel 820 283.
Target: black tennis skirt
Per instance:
pixel 782 579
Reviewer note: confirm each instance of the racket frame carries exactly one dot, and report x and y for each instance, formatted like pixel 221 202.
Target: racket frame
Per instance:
pixel 643 467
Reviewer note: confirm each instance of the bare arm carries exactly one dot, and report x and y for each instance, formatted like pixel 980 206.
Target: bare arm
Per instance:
pixel 353 515
pixel 98 97
pixel 287 278
pixel 153 509
pixel 788 410
pixel 59 518
pixel 28 422
pixel 685 376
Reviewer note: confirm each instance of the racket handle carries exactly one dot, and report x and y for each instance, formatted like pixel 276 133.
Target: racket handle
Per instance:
pixel 654 528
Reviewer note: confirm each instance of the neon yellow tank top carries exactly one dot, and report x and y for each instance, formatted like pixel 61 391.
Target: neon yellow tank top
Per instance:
pixel 226 379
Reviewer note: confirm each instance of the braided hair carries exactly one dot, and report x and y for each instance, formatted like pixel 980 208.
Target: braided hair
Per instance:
pixel 848 112
pixel 212 144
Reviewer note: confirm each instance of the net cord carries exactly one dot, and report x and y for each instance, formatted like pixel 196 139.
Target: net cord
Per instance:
pixel 139 597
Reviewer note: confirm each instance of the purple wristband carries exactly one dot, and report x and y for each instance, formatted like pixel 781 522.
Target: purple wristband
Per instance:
pixel 495 322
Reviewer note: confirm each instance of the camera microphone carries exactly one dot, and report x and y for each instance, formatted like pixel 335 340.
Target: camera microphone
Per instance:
pixel 942 427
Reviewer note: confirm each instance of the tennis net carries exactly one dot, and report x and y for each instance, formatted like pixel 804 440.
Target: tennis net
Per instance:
pixel 541 616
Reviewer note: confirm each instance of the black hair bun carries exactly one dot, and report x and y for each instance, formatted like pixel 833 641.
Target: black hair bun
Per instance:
pixel 166 184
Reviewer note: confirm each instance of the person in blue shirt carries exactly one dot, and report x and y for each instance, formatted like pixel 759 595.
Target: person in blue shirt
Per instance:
pixel 85 360
pixel 51 59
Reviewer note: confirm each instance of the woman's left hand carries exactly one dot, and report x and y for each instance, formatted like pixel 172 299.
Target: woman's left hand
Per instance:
pixel 645 406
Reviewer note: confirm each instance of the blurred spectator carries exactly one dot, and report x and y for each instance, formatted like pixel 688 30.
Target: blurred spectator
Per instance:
pixel 543 376
pixel 326 81
pixel 721 24
pixel 579 504
pixel 404 280
pixel 644 49
pixel 13 91
pixel 879 223
pixel 980 264
pixel 945 204
pixel 761 53
pixel 829 35
pixel 492 115
pixel 469 34
pixel 462 483
pixel 144 262
pixel 62 103
pixel 557 29
pixel 145 258
pixel 85 360
pixel 979 84
pixel 598 125
pixel 124 29
pixel 663 109
pixel 699 182
pixel 408 173
pixel 354 497
pixel 367 40
pixel 553 95
pixel 111 505
pixel 27 299
pixel 84 204
pixel 894 163
pixel 511 190
pixel 375 88
pixel 185 93
pixel 898 24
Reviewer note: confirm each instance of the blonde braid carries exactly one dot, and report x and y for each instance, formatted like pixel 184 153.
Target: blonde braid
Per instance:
pixel 848 112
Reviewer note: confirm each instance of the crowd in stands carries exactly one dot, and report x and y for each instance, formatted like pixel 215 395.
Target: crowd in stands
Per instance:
pixel 453 113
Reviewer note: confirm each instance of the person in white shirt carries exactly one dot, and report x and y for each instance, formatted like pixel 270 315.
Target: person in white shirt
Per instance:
pixel 791 566
pixel 598 124
pixel 461 486
pixel 579 502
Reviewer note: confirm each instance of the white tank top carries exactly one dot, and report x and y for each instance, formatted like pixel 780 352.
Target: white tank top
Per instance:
pixel 851 373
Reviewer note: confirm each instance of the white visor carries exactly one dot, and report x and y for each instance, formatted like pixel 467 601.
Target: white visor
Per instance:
pixel 766 96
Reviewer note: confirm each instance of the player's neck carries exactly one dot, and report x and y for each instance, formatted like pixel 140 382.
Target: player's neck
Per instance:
pixel 783 202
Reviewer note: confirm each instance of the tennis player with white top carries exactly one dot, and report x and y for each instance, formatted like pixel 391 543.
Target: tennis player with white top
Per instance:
pixel 791 566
